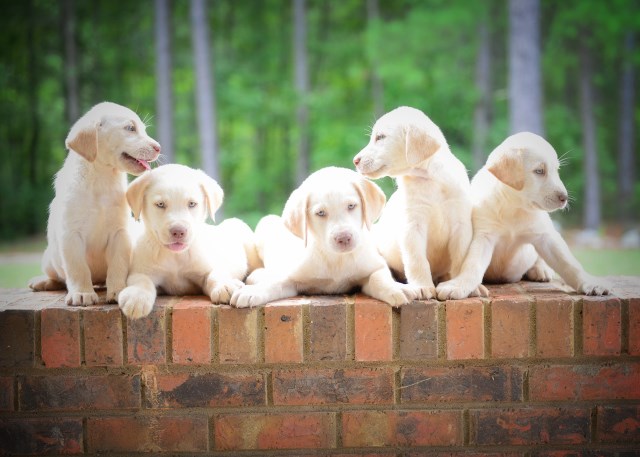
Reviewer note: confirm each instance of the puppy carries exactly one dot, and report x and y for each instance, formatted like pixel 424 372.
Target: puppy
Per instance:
pixel 425 230
pixel 87 236
pixel 179 253
pixel 513 233
pixel 322 244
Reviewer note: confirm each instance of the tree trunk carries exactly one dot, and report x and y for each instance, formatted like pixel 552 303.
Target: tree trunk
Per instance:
pixel 525 85
pixel 72 105
pixel 626 160
pixel 482 113
pixel 164 100
pixel 377 89
pixel 205 92
pixel 301 77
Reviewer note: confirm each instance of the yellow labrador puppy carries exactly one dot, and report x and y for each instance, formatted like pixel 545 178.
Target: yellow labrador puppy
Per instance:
pixel 322 244
pixel 513 233
pixel 87 236
pixel 179 253
pixel 425 230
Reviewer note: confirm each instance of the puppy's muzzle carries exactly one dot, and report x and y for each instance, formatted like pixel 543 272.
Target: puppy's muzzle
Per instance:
pixel 178 236
pixel 343 241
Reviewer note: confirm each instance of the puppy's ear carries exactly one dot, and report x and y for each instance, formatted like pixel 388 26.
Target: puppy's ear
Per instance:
pixel 508 167
pixel 213 193
pixel 372 199
pixel 419 145
pixel 135 193
pixel 294 214
pixel 83 139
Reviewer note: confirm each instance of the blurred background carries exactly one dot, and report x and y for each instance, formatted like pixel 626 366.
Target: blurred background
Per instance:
pixel 259 93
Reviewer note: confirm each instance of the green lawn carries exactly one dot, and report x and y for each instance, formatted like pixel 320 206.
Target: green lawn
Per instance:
pixel 608 262
pixel 17 275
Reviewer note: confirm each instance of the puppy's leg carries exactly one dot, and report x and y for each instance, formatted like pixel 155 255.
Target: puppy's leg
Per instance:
pixel 264 292
pixel 79 285
pixel 51 280
pixel 540 271
pixel 413 248
pixel 137 299
pixel 118 258
pixel 220 287
pixel 381 285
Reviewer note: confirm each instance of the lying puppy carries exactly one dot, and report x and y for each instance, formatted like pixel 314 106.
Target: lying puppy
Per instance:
pixel 87 236
pixel 179 253
pixel 513 194
pixel 322 245
pixel 425 230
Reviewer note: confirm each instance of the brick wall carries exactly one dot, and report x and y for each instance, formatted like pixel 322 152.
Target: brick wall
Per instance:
pixel 532 372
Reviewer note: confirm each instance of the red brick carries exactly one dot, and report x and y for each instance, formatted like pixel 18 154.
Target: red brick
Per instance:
pixel 238 335
pixel 372 336
pixel 40 436
pixel 234 432
pixel 618 424
pixel 457 384
pixel 6 394
pixel 419 331
pixel 102 336
pixel 585 382
pixel 283 333
pixel 634 326
pixel 60 330
pixel 510 290
pixel 529 426
pixel 79 393
pixel 17 338
pixel 510 321
pixel 554 327
pixel 327 331
pixel 146 338
pixel 147 434
pixel 191 331
pixel 327 386
pixel 465 329
pixel 601 326
pixel 465 454
pixel 211 389
pixel 401 428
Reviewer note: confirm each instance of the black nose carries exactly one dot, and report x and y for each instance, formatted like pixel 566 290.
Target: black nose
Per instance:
pixel 178 232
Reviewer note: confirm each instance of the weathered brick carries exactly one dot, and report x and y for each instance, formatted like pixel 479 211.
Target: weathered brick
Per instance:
pixel 75 393
pixel 212 389
pixel 510 334
pixel 60 330
pixel 327 386
pixel 327 331
pixel 457 384
pixel 6 394
pixel 147 434
pixel 585 382
pixel 601 326
pixel 238 335
pixel 577 453
pixel 529 426
pixel 283 333
pixel 102 336
pixel 373 333
pixel 17 338
pixel 40 436
pixel 234 432
pixel 554 326
pixel 465 329
pixel 191 331
pixel 634 326
pixel 146 338
pixel 401 428
pixel 419 331
pixel 618 424
pixel 430 453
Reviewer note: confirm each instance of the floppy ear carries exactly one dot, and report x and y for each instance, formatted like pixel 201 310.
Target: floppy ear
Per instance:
pixel 509 168
pixel 213 193
pixel 419 145
pixel 135 193
pixel 83 139
pixel 373 200
pixel 294 214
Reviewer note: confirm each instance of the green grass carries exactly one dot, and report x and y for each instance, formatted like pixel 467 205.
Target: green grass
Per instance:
pixel 16 275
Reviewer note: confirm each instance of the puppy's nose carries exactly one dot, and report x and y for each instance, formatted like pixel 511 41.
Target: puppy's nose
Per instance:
pixel 343 239
pixel 156 147
pixel 178 232
pixel 562 197
pixel 356 160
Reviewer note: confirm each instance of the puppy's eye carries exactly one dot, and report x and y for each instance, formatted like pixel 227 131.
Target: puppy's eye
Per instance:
pixel 351 206
pixel 192 204
pixel 539 171
pixel 380 136
pixel 161 205
pixel 321 213
pixel 130 127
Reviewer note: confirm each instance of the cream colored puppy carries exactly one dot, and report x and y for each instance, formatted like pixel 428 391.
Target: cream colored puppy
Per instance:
pixel 87 236
pixel 425 230
pixel 179 253
pixel 322 244
pixel 513 233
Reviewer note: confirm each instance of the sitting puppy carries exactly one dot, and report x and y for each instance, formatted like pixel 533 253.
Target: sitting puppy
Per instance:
pixel 425 230
pixel 87 236
pixel 513 232
pixel 322 245
pixel 179 253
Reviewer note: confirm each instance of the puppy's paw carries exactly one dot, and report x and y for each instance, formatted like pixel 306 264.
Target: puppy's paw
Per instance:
pixel 480 291
pixel 224 289
pixel 249 296
pixel 424 291
pixel 396 296
pixel 539 272
pixel 78 298
pixel 134 302
pixel 594 286
pixel 457 290
pixel 113 291
pixel 43 283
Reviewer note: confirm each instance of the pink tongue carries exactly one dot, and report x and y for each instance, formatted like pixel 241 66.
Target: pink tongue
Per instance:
pixel 144 163
pixel 176 246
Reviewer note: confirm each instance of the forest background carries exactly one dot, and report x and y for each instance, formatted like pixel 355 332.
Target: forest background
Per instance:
pixel 261 92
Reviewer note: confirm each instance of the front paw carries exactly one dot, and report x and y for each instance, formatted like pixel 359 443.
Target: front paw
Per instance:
pixel 135 303
pixel 457 290
pixel 224 289
pixel 249 296
pixel 594 286
pixel 539 272
pixel 113 291
pixel 81 298
pixel 423 291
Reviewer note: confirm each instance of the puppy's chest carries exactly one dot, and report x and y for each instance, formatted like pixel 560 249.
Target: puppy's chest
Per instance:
pixel 334 278
pixel 176 279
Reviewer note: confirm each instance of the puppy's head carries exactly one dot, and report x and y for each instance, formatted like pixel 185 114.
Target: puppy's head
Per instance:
pixel 400 140
pixel 174 201
pixel 115 136
pixel 332 206
pixel 528 164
